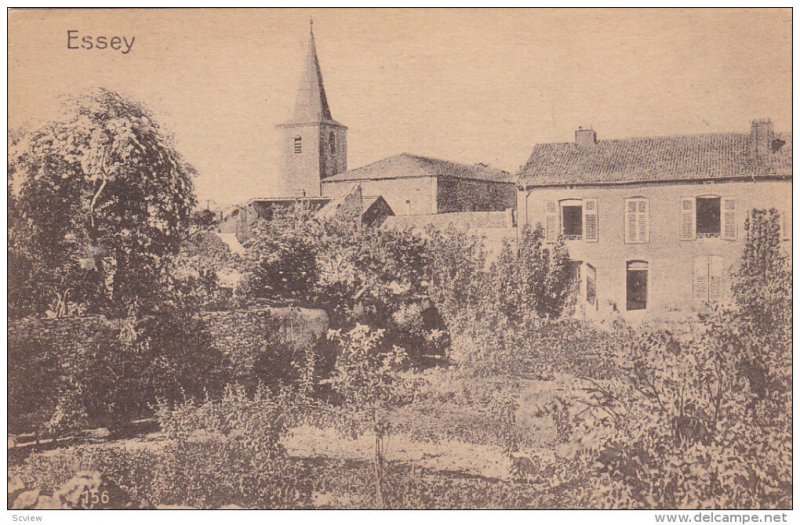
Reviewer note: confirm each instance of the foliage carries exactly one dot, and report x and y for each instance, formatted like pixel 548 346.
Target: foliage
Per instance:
pixel 458 277
pixel 112 376
pixel 33 387
pixel 764 277
pixel 359 274
pixel 532 279
pixel 194 281
pixel 86 490
pixel 228 452
pixel 369 381
pixel 695 420
pixel 282 256
pixel 101 203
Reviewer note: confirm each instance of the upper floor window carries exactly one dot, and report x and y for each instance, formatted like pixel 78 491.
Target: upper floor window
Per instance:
pixel 575 219
pixel 298 144
pixel 332 142
pixel 708 216
pixel 637 220
pixel 572 219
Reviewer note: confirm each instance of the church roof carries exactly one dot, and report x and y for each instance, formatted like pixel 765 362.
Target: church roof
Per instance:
pixel 406 165
pixel 311 104
pixel 657 159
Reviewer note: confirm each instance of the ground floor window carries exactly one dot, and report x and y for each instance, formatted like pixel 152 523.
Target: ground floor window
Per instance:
pixel 636 296
pixel 709 279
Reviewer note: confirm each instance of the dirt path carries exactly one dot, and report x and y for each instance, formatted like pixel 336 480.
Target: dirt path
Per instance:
pixel 481 460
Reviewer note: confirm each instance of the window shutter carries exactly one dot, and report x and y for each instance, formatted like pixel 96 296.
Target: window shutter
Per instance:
pixel 728 218
pixel 688 224
pixel 701 279
pixel 590 222
pixel 591 285
pixel 786 225
pixel 644 220
pixel 551 221
pixel 630 221
pixel 715 279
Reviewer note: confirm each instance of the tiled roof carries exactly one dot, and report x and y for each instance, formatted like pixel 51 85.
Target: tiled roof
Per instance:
pixel 407 165
pixel 689 157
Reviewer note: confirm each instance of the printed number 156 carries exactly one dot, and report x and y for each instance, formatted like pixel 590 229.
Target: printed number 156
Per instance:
pixel 93 497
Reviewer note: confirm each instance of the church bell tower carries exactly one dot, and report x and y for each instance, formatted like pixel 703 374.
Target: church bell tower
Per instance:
pixel 313 146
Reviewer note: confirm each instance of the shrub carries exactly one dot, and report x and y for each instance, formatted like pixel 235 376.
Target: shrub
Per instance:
pixel 701 419
pixel 228 452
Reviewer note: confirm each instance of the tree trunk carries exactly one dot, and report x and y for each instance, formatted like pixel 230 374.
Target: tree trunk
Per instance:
pixel 379 471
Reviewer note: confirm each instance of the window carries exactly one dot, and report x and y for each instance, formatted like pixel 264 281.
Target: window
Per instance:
pixel 637 220
pixel 708 286
pixel 575 219
pixel 332 142
pixel 708 216
pixel 636 285
pixel 572 221
pixel 591 285
pixel 298 144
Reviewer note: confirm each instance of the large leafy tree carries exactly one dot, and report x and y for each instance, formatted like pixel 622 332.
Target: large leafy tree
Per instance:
pixel 100 202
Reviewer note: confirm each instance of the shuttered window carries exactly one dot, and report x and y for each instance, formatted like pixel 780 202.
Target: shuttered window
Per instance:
pixel 551 220
pixel 709 279
pixel 298 144
pixel 728 218
pixel 590 220
pixel 637 220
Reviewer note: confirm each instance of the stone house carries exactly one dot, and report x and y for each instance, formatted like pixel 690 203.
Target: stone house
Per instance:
pixel 655 224
pixel 416 185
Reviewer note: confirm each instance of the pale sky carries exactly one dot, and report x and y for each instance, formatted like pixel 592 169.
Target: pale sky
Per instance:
pixel 479 85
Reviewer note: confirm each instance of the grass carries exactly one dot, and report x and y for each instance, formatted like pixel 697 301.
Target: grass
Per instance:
pixel 447 455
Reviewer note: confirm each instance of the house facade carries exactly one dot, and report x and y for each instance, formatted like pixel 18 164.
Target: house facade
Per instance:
pixel 654 225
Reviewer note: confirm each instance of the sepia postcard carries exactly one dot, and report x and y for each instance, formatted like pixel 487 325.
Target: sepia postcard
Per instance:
pixel 340 258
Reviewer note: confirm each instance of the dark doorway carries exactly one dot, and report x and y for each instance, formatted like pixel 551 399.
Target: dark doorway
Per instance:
pixel 637 285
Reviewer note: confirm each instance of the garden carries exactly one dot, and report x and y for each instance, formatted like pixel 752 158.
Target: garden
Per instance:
pixel 443 380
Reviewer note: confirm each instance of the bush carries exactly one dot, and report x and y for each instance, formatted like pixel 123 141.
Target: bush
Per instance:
pixel 701 419
pixel 110 377
pixel 228 452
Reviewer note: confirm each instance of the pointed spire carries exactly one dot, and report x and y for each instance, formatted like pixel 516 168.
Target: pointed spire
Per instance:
pixel 311 104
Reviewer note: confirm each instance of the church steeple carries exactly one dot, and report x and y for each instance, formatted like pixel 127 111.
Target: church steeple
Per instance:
pixel 311 104
pixel 313 145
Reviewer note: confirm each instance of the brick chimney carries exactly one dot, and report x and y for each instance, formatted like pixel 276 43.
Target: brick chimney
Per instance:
pixel 761 136
pixel 585 137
